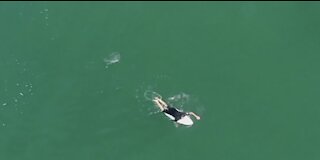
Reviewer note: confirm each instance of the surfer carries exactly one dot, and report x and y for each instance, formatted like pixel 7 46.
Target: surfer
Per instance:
pixel 175 114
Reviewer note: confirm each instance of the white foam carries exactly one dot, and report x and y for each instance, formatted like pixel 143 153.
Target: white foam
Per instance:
pixel 150 95
pixel 112 58
pixel 179 99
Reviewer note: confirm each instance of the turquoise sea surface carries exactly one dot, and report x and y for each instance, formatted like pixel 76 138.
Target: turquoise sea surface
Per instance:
pixel 75 79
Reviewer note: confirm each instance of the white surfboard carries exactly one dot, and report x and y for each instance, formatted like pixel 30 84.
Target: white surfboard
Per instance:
pixel 168 115
pixel 186 120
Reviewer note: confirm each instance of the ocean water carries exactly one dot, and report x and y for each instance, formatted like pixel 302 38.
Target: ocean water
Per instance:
pixel 76 77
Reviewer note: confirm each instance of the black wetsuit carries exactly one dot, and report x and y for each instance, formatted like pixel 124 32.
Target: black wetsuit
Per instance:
pixel 174 113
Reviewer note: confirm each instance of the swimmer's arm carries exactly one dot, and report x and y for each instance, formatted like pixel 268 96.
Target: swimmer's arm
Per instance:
pixel 193 114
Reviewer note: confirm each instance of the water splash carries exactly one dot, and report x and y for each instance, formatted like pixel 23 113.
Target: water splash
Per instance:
pixel 45 13
pixel 179 100
pixel 112 58
pixel 150 95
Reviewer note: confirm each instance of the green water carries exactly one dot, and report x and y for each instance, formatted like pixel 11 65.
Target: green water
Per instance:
pixel 250 70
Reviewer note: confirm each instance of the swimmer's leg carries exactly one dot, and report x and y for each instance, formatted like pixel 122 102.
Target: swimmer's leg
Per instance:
pixel 164 104
pixel 158 103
